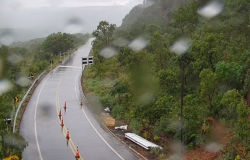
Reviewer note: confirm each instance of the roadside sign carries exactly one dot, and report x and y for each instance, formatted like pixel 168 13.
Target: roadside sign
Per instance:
pixel 31 76
pixel 90 60
pixel 7 120
pixel 12 157
pixel 16 99
pixel 85 61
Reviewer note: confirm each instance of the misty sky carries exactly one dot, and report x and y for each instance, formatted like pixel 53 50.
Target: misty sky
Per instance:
pixel 42 17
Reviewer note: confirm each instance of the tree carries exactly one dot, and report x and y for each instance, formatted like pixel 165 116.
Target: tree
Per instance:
pixel 13 144
pixel 58 42
pixel 229 103
pixel 208 88
pixel 104 32
pixel 157 46
pixel 186 18
pixel 207 50
pixel 243 124
pixel 169 81
pixel 230 73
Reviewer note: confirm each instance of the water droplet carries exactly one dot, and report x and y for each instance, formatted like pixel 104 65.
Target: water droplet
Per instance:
pixel 14 58
pixel 213 147
pixel 14 140
pixel 181 46
pixel 139 44
pixel 146 98
pixel 23 81
pixel 178 149
pixel 212 9
pixel 120 42
pixel 6 40
pixel 5 86
pixel 74 25
pixel 108 52
pixel 45 110
pixel 6 37
pixel 97 106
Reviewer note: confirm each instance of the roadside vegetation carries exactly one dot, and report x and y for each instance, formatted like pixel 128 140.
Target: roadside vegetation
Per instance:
pixel 21 59
pixel 144 84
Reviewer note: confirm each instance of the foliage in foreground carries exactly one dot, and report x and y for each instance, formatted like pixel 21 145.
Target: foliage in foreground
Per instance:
pixel 147 82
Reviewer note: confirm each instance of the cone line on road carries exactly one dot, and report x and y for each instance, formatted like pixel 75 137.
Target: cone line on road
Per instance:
pixel 71 143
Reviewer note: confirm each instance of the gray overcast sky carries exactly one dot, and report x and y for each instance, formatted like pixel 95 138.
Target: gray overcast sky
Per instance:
pixel 23 4
pixel 43 17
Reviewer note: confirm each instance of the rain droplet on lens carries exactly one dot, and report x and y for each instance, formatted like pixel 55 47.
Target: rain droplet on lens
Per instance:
pixel 175 157
pixel 177 148
pixel 6 37
pixel 14 58
pixel 45 110
pixel 23 81
pixel 120 42
pixel 181 46
pixel 74 25
pixel 146 98
pixel 213 147
pixel 139 44
pixel 108 52
pixel 5 86
pixel 6 40
pixel 212 9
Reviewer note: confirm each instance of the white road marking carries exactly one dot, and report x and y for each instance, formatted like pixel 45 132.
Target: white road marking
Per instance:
pixel 70 142
pixel 93 125
pixel 37 143
pixel 71 67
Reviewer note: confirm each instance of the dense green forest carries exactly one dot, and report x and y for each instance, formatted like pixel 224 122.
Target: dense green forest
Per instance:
pixel 145 81
pixel 19 60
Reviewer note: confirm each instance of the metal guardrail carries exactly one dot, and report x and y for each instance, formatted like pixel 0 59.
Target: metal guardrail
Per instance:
pixel 141 141
pixel 25 96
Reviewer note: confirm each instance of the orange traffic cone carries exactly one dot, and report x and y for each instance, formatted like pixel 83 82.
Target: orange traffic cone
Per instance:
pixel 60 114
pixel 77 153
pixel 67 135
pixel 62 123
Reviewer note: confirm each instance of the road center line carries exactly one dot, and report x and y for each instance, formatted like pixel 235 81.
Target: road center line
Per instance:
pixel 71 143
pixel 93 125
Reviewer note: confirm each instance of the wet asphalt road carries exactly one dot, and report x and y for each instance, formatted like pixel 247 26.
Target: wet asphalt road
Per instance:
pixel 40 124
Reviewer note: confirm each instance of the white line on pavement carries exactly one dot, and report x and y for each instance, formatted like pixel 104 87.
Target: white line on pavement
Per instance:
pixel 37 143
pixel 93 125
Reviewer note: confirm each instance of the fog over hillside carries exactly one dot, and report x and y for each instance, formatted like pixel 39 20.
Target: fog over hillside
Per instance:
pixel 22 25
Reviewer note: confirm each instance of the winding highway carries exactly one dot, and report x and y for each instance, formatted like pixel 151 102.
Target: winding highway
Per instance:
pixel 40 124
